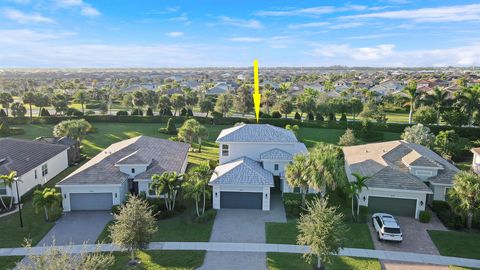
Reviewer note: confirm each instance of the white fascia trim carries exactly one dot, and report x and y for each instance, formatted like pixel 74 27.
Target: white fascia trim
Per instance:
pixel 225 142
pixel 142 180
pixel 424 167
pixel 398 190
pixel 236 185
pixel 441 184
pixel 90 185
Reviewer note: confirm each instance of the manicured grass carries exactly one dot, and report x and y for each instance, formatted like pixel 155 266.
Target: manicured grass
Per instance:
pixel 284 261
pixel 357 236
pixel 7 263
pixel 176 229
pixel 457 244
pixel 161 259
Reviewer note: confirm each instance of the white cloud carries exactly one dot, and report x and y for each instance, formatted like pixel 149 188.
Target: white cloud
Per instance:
pixel 386 55
pixel 312 11
pixel 245 39
pixel 458 13
pixel 24 36
pixel 308 25
pixel 325 25
pixel 89 11
pixel 373 36
pixel 346 25
pixel 183 18
pixel 175 34
pixel 21 17
pixel 240 22
pixel 85 9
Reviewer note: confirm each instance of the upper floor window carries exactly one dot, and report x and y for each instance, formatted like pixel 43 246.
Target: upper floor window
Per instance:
pixel 133 170
pixel 225 150
pixel 44 169
pixel 423 173
pixel 275 167
pixel 3 188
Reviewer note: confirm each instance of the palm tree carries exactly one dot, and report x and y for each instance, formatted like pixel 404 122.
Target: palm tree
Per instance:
pixel 437 98
pixel 202 133
pixel 167 184
pixel 465 194
pixel 411 98
pixel 198 180
pixel 29 98
pixel 327 167
pixel 469 99
pixel 46 199
pixel 267 99
pixel 298 174
pixel 354 189
pixel 81 97
pixel 8 180
pixel 193 189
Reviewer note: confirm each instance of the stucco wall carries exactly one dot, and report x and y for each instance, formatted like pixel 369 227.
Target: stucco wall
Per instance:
pixel 252 150
pixel 27 181
pixel 127 169
pixel 269 165
pixel 439 192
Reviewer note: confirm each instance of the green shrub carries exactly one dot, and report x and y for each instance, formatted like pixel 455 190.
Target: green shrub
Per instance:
pixel 170 129
pixel 116 209
pixel 89 112
pixel 122 113
pixel 73 112
pixel 149 112
pixel 216 114
pixel 298 116
pixel 363 214
pixel 448 217
pixel 424 217
pixel 2 113
pixel 208 216
pixel 92 106
pixel 4 129
pixel 137 112
pixel 276 114
pixel 293 203
pixel 343 118
pixel 440 206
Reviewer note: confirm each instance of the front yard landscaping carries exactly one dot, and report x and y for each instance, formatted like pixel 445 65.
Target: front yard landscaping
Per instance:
pixel 161 259
pixel 284 261
pixel 7 263
pixel 457 244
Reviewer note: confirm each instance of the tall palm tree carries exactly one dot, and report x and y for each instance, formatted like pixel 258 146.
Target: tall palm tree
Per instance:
pixel 46 199
pixel 469 100
pixel 327 167
pixel 465 194
pixel 198 179
pixel 81 97
pixel 29 98
pixel 298 174
pixel 268 98
pixel 167 184
pixel 8 180
pixel 437 98
pixel 411 96
pixel 355 188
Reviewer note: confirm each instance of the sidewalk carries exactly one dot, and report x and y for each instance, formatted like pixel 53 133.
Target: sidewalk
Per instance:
pixel 257 247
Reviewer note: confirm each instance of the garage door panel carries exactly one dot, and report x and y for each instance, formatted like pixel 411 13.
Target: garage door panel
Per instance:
pixel 241 200
pixel 394 206
pixel 91 201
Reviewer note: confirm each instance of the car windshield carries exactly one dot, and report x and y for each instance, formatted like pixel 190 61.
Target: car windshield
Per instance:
pixel 391 230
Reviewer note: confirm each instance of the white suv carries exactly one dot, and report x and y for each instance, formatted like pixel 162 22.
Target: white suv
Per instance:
pixel 387 227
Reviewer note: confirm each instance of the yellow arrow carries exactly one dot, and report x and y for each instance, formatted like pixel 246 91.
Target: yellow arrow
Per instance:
pixel 256 94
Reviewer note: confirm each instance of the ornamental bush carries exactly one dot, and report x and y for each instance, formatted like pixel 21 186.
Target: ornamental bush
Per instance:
pixel 424 217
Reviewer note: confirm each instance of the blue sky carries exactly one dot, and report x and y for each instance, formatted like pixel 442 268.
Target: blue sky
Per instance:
pixel 162 33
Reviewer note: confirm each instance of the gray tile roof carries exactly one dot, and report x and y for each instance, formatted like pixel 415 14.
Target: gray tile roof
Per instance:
pixel 134 158
pixel 276 154
pixel 256 133
pixel 242 171
pixel 23 156
pixel 372 159
pixel 165 155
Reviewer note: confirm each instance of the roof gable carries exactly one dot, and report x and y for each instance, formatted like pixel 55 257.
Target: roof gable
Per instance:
pixel 242 171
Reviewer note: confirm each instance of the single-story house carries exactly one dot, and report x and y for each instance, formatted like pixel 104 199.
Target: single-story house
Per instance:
pixel 252 161
pixel 73 146
pixel 122 168
pixel 35 163
pixel 403 177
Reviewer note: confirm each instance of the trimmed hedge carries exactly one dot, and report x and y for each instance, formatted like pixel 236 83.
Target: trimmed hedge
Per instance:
pixel 449 218
pixel 424 217
pixel 208 216
pixel 466 132
pixel 293 203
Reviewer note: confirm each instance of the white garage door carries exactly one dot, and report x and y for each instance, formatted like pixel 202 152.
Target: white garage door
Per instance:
pixel 91 201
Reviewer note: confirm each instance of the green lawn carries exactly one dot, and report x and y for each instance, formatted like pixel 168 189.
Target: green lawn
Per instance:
pixel 7 263
pixel 176 229
pixel 357 236
pixel 457 244
pixel 284 261
pixel 161 259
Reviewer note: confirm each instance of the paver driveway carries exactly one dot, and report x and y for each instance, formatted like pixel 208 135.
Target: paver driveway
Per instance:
pixel 415 239
pixel 242 226
pixel 77 228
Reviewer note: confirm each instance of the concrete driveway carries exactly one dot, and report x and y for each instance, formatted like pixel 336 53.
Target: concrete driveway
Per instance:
pixel 77 228
pixel 415 239
pixel 242 226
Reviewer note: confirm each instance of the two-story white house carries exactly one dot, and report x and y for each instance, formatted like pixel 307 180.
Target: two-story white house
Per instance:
pixel 251 157
pixel 123 167
pixel 403 177
pixel 35 162
pixel 476 160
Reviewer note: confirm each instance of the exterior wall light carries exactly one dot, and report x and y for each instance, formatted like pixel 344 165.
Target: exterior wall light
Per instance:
pixel 364 198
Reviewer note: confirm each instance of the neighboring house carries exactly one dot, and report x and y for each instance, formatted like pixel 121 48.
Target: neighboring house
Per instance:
pixel 476 160
pixel 251 157
pixel 123 167
pixel 404 176
pixel 35 163
pixel 73 146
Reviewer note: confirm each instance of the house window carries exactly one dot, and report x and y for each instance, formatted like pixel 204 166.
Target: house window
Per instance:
pixel 3 188
pixel 35 172
pixel 275 167
pixel 423 173
pixel 296 189
pixel 225 150
pixel 133 170
pixel 44 169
